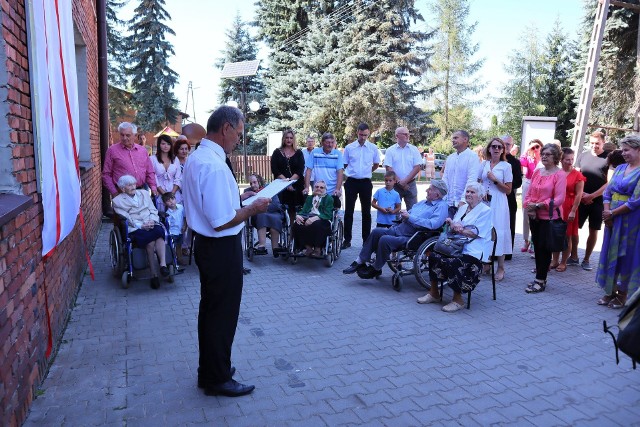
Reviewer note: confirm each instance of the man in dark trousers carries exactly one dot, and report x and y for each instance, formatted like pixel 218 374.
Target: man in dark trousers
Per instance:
pixel 213 212
pixel 515 184
pixel 361 158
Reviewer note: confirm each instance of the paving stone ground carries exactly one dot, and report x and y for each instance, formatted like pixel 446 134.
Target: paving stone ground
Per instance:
pixel 327 349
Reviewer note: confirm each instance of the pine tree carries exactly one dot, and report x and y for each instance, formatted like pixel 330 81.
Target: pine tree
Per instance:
pixel 521 94
pixel 152 80
pixel 453 73
pixel 119 100
pixel 240 46
pixel 557 85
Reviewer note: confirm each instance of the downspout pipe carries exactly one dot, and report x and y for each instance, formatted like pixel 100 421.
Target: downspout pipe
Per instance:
pixel 103 94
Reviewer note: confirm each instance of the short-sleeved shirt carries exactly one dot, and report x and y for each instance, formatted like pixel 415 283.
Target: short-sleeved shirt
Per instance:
pixel 594 168
pixel 325 167
pixel 210 191
pixel 402 160
pixel 386 199
pixel 306 153
pixel 360 159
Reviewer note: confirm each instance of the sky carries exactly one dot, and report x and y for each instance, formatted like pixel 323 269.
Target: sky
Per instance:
pixel 200 36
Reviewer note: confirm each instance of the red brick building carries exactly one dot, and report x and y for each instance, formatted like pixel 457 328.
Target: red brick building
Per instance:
pixel 25 276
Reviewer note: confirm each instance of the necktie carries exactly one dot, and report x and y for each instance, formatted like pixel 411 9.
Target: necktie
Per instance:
pixel 228 162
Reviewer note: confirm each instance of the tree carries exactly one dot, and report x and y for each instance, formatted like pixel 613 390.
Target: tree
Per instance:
pixel 521 94
pixel 240 46
pixel 152 80
pixel 615 100
pixel 557 85
pixel 453 73
pixel 119 101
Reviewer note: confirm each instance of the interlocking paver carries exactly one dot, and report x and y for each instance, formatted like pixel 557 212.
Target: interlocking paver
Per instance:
pixel 328 349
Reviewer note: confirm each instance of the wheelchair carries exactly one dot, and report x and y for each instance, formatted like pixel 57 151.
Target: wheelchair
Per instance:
pixel 413 259
pixel 126 258
pixel 250 237
pixel 333 245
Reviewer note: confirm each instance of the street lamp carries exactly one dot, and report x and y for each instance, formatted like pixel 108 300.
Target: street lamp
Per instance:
pixel 242 69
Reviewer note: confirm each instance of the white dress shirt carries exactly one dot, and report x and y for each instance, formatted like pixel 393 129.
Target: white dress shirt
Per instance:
pixel 402 160
pixel 210 191
pixel 360 159
pixel 460 170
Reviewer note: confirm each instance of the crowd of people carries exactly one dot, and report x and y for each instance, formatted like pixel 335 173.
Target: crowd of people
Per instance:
pixel 475 200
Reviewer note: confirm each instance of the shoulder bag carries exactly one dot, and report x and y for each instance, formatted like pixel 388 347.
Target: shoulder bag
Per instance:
pixel 557 231
pixel 451 244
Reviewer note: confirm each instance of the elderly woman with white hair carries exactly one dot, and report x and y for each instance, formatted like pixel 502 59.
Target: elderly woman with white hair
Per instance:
pixel 143 222
pixel 462 274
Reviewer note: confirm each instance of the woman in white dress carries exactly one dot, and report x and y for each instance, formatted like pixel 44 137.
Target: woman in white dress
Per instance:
pixel 496 177
pixel 168 170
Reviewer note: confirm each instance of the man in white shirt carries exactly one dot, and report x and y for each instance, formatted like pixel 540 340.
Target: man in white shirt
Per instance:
pixel 311 144
pixel 460 169
pixel 214 214
pixel 361 158
pixel 405 160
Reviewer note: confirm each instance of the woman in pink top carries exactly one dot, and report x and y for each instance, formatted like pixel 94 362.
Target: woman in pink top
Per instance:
pixel 528 161
pixel 168 171
pixel 547 184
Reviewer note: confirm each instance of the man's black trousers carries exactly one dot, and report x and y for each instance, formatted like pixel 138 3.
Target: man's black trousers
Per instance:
pixel 354 188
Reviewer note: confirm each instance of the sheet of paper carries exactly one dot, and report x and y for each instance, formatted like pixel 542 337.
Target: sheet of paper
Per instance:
pixel 275 187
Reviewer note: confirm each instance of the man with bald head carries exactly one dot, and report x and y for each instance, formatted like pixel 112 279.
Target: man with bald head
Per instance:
pixel 405 160
pixel 460 170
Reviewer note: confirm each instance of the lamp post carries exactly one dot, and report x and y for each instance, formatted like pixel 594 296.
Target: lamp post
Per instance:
pixel 235 70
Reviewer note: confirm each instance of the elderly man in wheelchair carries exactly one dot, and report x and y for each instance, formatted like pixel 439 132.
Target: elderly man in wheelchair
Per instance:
pixel 428 214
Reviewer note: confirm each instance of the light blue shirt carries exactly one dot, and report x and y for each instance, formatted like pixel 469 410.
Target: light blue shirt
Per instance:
pixel 325 167
pixel 428 214
pixel 386 199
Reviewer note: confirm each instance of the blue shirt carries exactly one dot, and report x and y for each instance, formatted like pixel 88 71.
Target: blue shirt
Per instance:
pixel 428 214
pixel 325 167
pixel 386 199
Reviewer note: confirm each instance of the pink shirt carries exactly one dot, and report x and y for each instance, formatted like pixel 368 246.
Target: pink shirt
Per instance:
pixel 545 188
pixel 530 164
pixel 121 161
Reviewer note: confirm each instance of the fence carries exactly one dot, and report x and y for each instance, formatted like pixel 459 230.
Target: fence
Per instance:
pixel 255 164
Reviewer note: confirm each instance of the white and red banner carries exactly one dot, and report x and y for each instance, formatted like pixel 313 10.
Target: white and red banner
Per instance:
pixel 55 90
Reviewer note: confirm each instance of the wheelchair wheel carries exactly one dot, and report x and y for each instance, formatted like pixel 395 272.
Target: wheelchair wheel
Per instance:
pixel 125 280
pixel 337 246
pixel 116 252
pixel 172 273
pixel 328 259
pixel 400 263
pixel 421 262
pixel 248 242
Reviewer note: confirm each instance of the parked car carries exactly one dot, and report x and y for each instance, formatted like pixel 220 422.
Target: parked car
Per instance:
pixel 439 160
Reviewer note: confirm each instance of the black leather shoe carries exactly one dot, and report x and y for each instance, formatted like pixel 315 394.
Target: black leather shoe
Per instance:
pixel 346 245
pixel 369 273
pixel 231 388
pixel 352 268
pixel 203 384
pixel 164 271
pixel 155 283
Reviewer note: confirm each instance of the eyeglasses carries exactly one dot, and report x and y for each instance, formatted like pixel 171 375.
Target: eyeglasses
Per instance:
pixel 239 133
pixel 403 134
pixel 545 154
pixel 534 147
pixel 496 147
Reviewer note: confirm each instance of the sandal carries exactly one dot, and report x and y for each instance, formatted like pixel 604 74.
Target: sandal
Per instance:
pixel 605 300
pixel 617 302
pixel 499 275
pixel 560 268
pixel 553 267
pixel 536 287
pixel 525 248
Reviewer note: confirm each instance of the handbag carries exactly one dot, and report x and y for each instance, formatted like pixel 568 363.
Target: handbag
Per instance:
pixel 556 232
pixel 451 244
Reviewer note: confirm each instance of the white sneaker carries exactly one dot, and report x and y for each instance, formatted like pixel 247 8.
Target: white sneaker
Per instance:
pixel 427 299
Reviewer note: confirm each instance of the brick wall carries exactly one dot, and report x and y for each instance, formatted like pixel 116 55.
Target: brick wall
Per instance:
pixel 24 275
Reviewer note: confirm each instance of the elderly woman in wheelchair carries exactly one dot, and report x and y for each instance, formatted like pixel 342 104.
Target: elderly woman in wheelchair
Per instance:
pixel 428 214
pixel 312 225
pixel 143 224
pixel 271 219
pixel 462 273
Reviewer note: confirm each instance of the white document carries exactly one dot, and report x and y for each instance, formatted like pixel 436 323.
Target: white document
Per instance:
pixel 275 187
